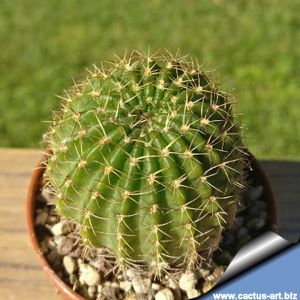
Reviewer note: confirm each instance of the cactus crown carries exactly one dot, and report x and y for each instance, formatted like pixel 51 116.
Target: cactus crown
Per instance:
pixel 146 157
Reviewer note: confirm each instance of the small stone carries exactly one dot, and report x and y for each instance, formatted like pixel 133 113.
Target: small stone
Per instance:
pixel 130 273
pixel 256 193
pixel 263 215
pixel 164 294
pixel 150 296
pixel 47 195
pixel 256 224
pixel 108 292
pixel 50 243
pixel 43 246
pixel 120 277
pixel 40 198
pixel 69 264
pixel 257 208
pixel 54 258
pixel 88 275
pixel 187 281
pixel 244 239
pixel 107 283
pixel 172 284
pixel 210 277
pixel 101 265
pixel 253 211
pixel 115 285
pixel 76 253
pixel 141 285
pixel 92 291
pixel 52 220
pixel 73 278
pixel 99 289
pixel 63 227
pixel 213 279
pixel 83 291
pixel 193 293
pixel 64 244
pixel 228 239
pixel 155 286
pixel 76 284
pixel 238 222
pixel 203 272
pixel 218 273
pixel 41 218
pixel 125 286
pixel 130 296
pixel 241 232
pixel 207 286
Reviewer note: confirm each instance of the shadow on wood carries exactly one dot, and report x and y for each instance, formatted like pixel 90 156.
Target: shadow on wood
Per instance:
pixel 285 180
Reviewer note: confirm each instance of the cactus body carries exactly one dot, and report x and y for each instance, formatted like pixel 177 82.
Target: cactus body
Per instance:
pixel 146 156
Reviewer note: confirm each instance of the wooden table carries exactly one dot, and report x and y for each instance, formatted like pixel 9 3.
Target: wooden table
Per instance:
pixel 20 275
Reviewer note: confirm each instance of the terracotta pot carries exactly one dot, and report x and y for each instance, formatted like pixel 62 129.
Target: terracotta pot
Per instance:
pixel 64 290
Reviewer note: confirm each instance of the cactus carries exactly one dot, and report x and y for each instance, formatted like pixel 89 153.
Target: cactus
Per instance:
pixel 146 157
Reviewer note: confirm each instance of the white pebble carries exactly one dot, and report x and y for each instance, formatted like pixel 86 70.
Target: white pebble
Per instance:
pixel 52 219
pixel 130 296
pixel 64 244
pixel 69 264
pixel 115 285
pixel 203 272
pixel 172 284
pixel 88 275
pixel 73 279
pixel 107 283
pixel 50 243
pixel 61 228
pixel 155 286
pixel 187 281
pixel 92 291
pixel 58 239
pixel 125 285
pixel 130 273
pixel 141 286
pixel 193 293
pixel 164 294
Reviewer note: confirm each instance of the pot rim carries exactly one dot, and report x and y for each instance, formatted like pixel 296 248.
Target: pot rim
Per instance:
pixel 34 186
pixel 61 287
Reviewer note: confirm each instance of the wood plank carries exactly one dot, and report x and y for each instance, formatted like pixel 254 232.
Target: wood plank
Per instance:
pixel 20 275
pixel 285 180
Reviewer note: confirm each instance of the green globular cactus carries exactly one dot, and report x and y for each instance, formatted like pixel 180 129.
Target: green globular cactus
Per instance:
pixel 146 157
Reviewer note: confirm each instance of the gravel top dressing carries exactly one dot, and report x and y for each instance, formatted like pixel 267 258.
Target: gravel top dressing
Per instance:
pixel 92 273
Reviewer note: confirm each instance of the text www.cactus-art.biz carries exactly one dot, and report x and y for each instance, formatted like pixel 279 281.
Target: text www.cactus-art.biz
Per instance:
pixel 256 296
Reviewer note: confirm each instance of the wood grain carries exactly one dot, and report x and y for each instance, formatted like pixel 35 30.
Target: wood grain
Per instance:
pixel 20 275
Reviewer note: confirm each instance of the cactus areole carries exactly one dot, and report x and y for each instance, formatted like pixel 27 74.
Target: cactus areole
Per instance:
pixel 146 157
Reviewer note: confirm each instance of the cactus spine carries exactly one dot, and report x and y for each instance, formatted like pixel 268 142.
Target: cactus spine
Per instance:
pixel 146 156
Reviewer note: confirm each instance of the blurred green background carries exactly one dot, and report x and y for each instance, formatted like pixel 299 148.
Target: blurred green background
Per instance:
pixel 254 46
